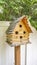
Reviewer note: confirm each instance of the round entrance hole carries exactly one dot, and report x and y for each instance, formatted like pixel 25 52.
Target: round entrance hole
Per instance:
pixel 20 25
pixel 16 32
pixel 20 37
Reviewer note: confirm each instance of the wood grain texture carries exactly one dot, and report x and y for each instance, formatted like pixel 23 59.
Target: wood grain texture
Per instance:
pixel 16 37
pixel 20 30
pixel 17 55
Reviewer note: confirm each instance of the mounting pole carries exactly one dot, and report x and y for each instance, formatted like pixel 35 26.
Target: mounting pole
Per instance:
pixel 25 54
pixel 17 55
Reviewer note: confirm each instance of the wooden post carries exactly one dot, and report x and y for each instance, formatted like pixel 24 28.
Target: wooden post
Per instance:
pixel 17 55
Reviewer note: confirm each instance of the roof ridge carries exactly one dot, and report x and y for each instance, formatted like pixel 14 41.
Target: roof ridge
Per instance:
pixel 26 24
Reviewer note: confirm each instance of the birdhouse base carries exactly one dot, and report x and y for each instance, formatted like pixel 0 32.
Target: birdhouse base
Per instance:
pixel 19 43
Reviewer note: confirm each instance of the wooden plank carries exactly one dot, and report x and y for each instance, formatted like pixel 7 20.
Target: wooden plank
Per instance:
pixel 17 55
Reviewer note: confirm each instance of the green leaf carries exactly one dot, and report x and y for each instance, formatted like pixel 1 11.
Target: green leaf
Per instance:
pixel 13 9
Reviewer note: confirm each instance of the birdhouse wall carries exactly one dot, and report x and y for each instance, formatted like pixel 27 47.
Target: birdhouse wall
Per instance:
pixel 9 38
pixel 20 32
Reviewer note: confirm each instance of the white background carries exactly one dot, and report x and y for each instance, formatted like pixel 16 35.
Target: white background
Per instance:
pixel 7 52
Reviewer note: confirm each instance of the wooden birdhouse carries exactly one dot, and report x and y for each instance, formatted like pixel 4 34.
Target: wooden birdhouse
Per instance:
pixel 18 32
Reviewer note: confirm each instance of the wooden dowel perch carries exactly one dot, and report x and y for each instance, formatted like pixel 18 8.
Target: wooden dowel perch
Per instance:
pixel 17 55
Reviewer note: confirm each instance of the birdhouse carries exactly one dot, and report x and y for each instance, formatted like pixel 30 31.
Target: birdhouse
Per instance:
pixel 18 32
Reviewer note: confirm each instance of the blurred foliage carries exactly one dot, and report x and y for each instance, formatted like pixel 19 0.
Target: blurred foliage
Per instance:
pixel 12 9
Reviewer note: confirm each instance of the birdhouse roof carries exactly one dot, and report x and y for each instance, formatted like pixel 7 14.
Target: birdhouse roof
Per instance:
pixel 13 24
